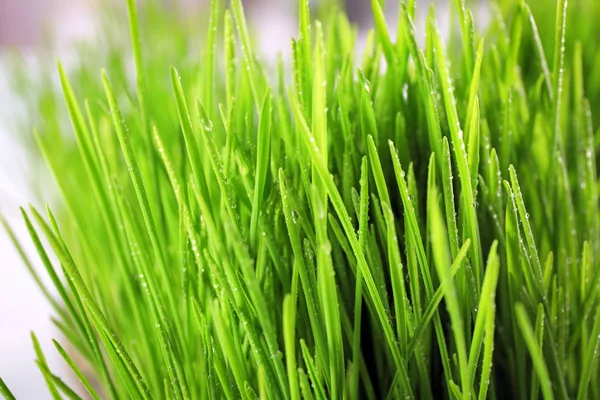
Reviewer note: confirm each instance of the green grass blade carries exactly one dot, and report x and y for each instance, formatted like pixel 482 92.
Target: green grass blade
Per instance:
pixel 131 372
pixel 485 308
pixel 84 381
pixel 5 391
pixel 441 255
pixel 342 212
pixel 534 350
pixel 262 161
pixel 540 50
pixel 209 80
pixel 136 44
pixel 383 34
pixel 312 372
pixel 30 268
pixel 191 145
pixel 291 220
pixel 69 393
pixel 488 352
pixel 524 218
pixel 250 64
pixel 539 334
pixel 432 309
pixel 41 360
pixel 591 360
pixel 289 327
pixel 472 226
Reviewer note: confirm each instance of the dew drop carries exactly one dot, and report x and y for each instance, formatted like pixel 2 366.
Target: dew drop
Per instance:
pixel 208 125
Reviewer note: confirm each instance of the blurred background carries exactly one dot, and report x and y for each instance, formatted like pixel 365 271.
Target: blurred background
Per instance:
pixel 37 32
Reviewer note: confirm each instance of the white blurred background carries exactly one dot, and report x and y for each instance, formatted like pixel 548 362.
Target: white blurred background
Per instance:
pixel 22 307
pixel 23 26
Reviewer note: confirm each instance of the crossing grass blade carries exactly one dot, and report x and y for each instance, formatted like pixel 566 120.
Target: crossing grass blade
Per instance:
pixel 83 296
pixel 340 209
pixel 441 256
pixel 484 330
pixel 41 361
pixel 50 377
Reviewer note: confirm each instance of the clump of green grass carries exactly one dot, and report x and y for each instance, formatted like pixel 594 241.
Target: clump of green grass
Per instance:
pixel 423 226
